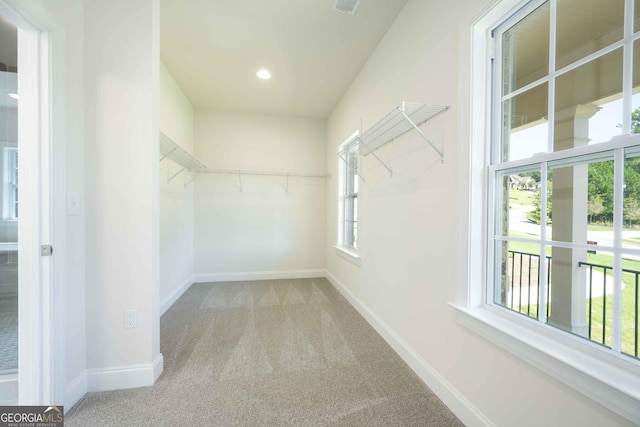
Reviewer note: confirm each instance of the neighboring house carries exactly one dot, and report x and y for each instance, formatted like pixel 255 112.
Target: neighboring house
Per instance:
pixel 518 182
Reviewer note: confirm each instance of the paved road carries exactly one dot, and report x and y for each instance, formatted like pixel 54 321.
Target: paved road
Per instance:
pixel 519 223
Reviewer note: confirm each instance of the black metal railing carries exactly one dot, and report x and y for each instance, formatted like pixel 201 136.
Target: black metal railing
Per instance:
pixel 524 270
pixel 526 264
pixel 634 275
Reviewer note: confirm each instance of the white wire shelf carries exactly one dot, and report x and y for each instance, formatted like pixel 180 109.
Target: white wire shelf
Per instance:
pixel 352 148
pixel 170 150
pixel 405 117
pixel 400 120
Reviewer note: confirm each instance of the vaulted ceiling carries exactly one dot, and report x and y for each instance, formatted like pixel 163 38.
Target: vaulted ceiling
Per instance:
pixel 213 49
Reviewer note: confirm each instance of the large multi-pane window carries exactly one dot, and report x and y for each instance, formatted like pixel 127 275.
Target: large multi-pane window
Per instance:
pixel 349 193
pixel 564 174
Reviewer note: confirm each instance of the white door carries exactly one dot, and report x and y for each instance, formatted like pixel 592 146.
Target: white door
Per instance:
pixel 26 203
pixel 8 211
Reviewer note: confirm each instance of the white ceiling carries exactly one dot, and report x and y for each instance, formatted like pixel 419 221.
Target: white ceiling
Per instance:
pixel 213 48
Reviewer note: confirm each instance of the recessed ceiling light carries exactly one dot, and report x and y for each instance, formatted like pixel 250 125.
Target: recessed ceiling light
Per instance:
pixel 13 95
pixel 264 74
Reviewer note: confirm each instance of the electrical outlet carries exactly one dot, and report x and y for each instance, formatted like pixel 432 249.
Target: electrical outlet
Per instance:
pixel 130 319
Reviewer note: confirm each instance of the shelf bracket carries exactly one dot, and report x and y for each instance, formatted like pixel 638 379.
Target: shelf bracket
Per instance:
pixel 342 158
pixel 357 173
pixel 240 180
pixel 422 135
pixel 287 186
pixel 168 154
pixel 190 180
pixel 378 159
pixel 176 174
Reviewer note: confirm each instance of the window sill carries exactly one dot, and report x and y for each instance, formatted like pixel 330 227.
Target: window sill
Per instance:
pixel 607 378
pixel 349 254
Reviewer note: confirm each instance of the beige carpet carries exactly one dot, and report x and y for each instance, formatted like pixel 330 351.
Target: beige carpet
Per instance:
pixel 269 353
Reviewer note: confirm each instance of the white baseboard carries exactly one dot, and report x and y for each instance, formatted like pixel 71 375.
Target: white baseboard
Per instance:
pixel 9 390
pixel 258 275
pixel 459 405
pixel 158 367
pixel 168 301
pixel 124 376
pixel 74 391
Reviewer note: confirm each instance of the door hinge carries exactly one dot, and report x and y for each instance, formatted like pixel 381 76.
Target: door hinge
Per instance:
pixel 46 250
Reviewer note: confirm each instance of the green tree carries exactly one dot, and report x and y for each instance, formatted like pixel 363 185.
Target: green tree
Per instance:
pixel 631 211
pixel 534 175
pixel 594 207
pixel 635 121
pixel 535 214
pixel 600 190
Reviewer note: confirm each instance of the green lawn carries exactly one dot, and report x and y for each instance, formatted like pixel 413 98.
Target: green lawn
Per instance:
pixel 597 316
pixel 598 227
pixel 628 319
pixel 520 197
pixel 530 248
pixel 603 259
pixel 628 301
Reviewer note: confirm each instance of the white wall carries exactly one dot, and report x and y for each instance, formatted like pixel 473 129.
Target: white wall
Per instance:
pixel 176 112
pixel 70 14
pixel 408 230
pixel 176 199
pixel 69 172
pixel 262 228
pixel 109 102
pixel 8 123
pixel 122 203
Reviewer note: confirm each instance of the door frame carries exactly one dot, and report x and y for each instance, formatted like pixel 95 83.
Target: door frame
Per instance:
pixel 41 377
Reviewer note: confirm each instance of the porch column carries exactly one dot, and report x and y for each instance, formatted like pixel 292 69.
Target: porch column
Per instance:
pixel 569 223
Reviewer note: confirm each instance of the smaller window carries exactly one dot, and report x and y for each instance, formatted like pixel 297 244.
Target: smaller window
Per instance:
pixel 10 181
pixel 348 218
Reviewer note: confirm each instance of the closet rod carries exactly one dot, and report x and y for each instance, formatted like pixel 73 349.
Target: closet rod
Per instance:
pixel 262 173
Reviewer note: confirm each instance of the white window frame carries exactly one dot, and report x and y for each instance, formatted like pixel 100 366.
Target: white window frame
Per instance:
pixel 344 247
pixel 606 377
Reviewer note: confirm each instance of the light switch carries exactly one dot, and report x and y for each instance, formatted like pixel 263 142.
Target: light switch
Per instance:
pixel 73 204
